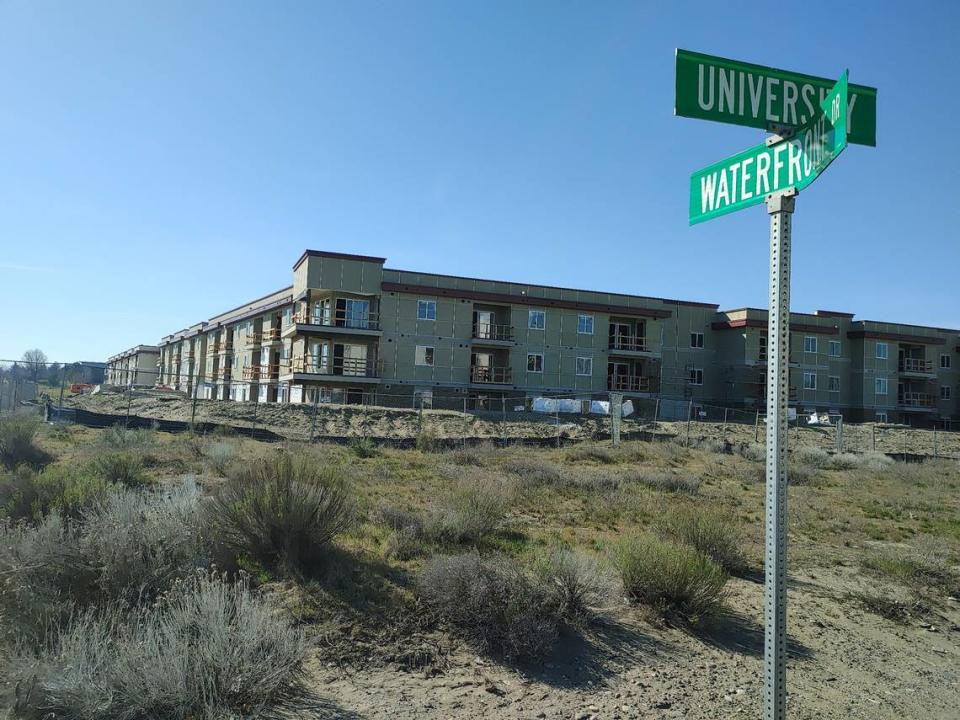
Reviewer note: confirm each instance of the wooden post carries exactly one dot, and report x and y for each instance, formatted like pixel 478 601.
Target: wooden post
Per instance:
pixel 756 427
pixel 873 436
pixel 503 419
pixel 689 414
pixel 724 431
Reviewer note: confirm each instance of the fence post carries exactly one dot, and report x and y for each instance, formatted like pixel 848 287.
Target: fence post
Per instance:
pixel 129 397
pixel 756 427
pixel 556 419
pixel 419 415
pixel 724 430
pixel 873 437
pixel 503 419
pixel 840 434
pixel 313 421
pixel 466 422
pixel 934 442
pixel 689 414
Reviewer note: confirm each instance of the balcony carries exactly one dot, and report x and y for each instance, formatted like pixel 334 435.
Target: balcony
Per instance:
pixel 909 399
pixel 915 366
pixel 628 383
pixel 251 372
pixel 261 372
pixel 338 319
pixel 336 367
pixel 489 375
pixel 492 332
pixel 629 344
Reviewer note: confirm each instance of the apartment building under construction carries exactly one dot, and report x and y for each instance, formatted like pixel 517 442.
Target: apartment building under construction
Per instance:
pixel 350 330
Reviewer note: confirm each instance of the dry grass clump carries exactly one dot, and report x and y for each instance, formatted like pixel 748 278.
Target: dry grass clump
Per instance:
pixel 755 452
pixel 493 603
pixel 220 454
pixel 208 649
pixel 666 481
pixel 473 511
pixel 281 511
pixel 708 531
pixel 921 567
pixel 674 579
pixel 17 443
pixel 26 494
pixel 533 470
pixel 591 453
pixel 582 586
pixel 121 438
pixel 364 447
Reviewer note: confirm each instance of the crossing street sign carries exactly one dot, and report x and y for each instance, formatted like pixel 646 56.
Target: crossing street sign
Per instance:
pixel 794 162
pixel 730 91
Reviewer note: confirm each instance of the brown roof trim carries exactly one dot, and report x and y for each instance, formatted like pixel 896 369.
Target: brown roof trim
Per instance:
pixel 793 313
pixel 523 300
pixel 689 303
pixel 863 323
pixel 795 327
pixel 833 313
pixel 896 337
pixel 337 256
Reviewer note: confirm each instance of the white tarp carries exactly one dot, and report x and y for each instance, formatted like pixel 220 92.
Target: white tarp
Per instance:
pixel 599 407
pixel 627 408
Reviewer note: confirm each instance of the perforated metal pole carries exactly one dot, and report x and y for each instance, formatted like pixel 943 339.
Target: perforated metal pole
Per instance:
pixel 780 207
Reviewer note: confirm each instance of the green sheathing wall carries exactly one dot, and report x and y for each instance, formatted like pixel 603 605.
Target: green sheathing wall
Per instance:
pixel 679 358
pixel 357 276
pixel 949 377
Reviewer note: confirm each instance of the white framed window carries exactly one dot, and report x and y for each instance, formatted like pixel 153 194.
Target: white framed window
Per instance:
pixel 762 347
pixel 945 360
pixel 537 320
pixel 696 376
pixel 835 348
pixel 696 339
pixel 585 325
pixel 810 344
pixel 584 366
pixel 882 350
pixel 944 392
pixel 424 355
pixel 880 417
pixel 833 383
pixel 426 309
pixel 287 316
pixel 809 381
pixel 535 362
pixel 880 386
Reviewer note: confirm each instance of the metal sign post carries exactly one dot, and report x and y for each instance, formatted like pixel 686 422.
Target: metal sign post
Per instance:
pixel 780 207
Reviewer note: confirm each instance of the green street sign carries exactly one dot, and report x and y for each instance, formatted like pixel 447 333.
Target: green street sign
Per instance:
pixel 714 88
pixel 748 177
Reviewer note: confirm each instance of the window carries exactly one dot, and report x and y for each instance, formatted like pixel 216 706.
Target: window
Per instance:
pixel 833 383
pixel 537 320
pixel 696 376
pixel 762 351
pixel 944 392
pixel 880 417
pixel 696 340
pixel 426 309
pixel 584 365
pixel 424 355
pixel 287 316
pixel 944 360
pixel 534 362
pixel 834 348
pixel 881 351
pixel 880 386
pixel 356 313
pixel 809 381
pixel 809 344
pixel 585 325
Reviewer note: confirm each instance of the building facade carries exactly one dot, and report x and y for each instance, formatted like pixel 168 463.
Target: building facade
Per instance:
pixel 350 330
pixel 136 366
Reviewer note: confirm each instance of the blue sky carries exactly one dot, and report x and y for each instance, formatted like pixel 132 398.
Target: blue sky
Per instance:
pixel 163 162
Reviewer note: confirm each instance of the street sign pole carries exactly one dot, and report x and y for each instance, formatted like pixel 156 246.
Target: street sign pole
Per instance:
pixel 780 208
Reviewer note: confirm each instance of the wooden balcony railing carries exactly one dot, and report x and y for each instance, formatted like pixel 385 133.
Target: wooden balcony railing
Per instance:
pixel 633 343
pixel 251 372
pixel 916 399
pixel 492 331
pixel 352 367
pixel 915 365
pixel 339 318
pixel 628 383
pixel 488 374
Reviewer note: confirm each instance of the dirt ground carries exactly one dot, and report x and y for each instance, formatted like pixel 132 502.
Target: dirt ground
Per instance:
pixel 843 663
pixel 338 421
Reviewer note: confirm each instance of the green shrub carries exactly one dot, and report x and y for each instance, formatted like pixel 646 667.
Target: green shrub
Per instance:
pixel 812 456
pixel 364 447
pixel 120 438
pixel 208 650
pixel 427 442
pixel 19 496
pixel 17 443
pixel 591 453
pixel 281 511
pixel 665 481
pixel 709 532
pixel 26 494
pixel 223 431
pixel 492 603
pixel 755 452
pixel 533 470
pixel 470 457
pixel 219 455
pixel 673 579
pixel 404 543
pixel 122 468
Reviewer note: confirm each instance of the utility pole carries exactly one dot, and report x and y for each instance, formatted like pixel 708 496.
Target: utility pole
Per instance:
pixel 780 207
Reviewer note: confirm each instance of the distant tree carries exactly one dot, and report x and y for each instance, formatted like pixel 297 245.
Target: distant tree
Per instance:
pixel 75 372
pixel 54 373
pixel 36 362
